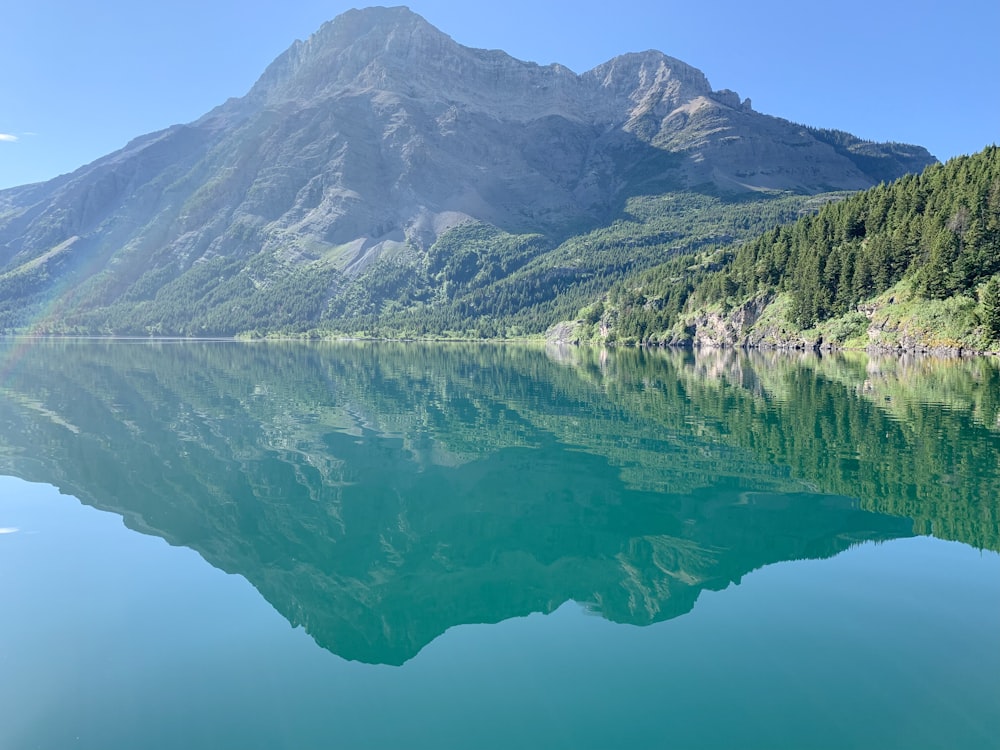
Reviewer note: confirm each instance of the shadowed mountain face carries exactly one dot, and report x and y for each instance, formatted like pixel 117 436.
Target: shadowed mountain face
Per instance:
pixel 379 494
pixel 368 142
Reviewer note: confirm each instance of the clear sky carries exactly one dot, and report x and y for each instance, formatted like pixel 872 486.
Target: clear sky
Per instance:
pixel 80 79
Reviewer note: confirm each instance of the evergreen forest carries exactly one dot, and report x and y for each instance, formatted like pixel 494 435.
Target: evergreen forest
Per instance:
pixel 922 251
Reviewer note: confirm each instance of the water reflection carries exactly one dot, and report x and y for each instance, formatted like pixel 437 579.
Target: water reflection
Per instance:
pixel 378 494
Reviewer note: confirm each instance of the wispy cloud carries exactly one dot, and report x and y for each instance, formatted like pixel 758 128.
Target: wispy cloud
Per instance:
pixel 8 137
pixel 9 530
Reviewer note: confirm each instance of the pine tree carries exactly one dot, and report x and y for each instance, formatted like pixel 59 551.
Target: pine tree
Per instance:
pixel 990 300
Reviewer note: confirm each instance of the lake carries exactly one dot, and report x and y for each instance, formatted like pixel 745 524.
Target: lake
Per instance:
pixel 388 545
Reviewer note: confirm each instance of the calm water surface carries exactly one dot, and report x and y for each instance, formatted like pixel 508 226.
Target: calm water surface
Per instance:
pixel 221 545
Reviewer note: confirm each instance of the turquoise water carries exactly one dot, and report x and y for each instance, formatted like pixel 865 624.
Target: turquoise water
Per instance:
pixel 454 546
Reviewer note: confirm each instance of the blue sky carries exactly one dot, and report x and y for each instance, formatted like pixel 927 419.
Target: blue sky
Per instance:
pixel 79 80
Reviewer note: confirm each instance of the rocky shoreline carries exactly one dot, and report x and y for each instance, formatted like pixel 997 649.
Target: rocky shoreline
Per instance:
pixel 759 324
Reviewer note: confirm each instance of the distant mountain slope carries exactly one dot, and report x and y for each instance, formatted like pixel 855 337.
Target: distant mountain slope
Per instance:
pixel 914 264
pixel 363 146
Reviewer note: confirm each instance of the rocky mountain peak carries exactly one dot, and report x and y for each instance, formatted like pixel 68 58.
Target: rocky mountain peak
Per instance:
pixel 345 49
pixel 395 50
pixel 650 79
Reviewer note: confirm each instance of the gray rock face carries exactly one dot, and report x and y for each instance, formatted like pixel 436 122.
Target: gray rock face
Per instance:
pixel 379 133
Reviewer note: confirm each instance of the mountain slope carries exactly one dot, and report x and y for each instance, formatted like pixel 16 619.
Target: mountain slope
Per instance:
pixel 363 146
pixel 914 264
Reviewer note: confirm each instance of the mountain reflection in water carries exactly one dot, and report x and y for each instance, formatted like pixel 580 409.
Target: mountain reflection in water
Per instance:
pixel 379 494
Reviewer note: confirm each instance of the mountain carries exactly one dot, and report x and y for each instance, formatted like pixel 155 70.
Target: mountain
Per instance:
pixel 375 147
